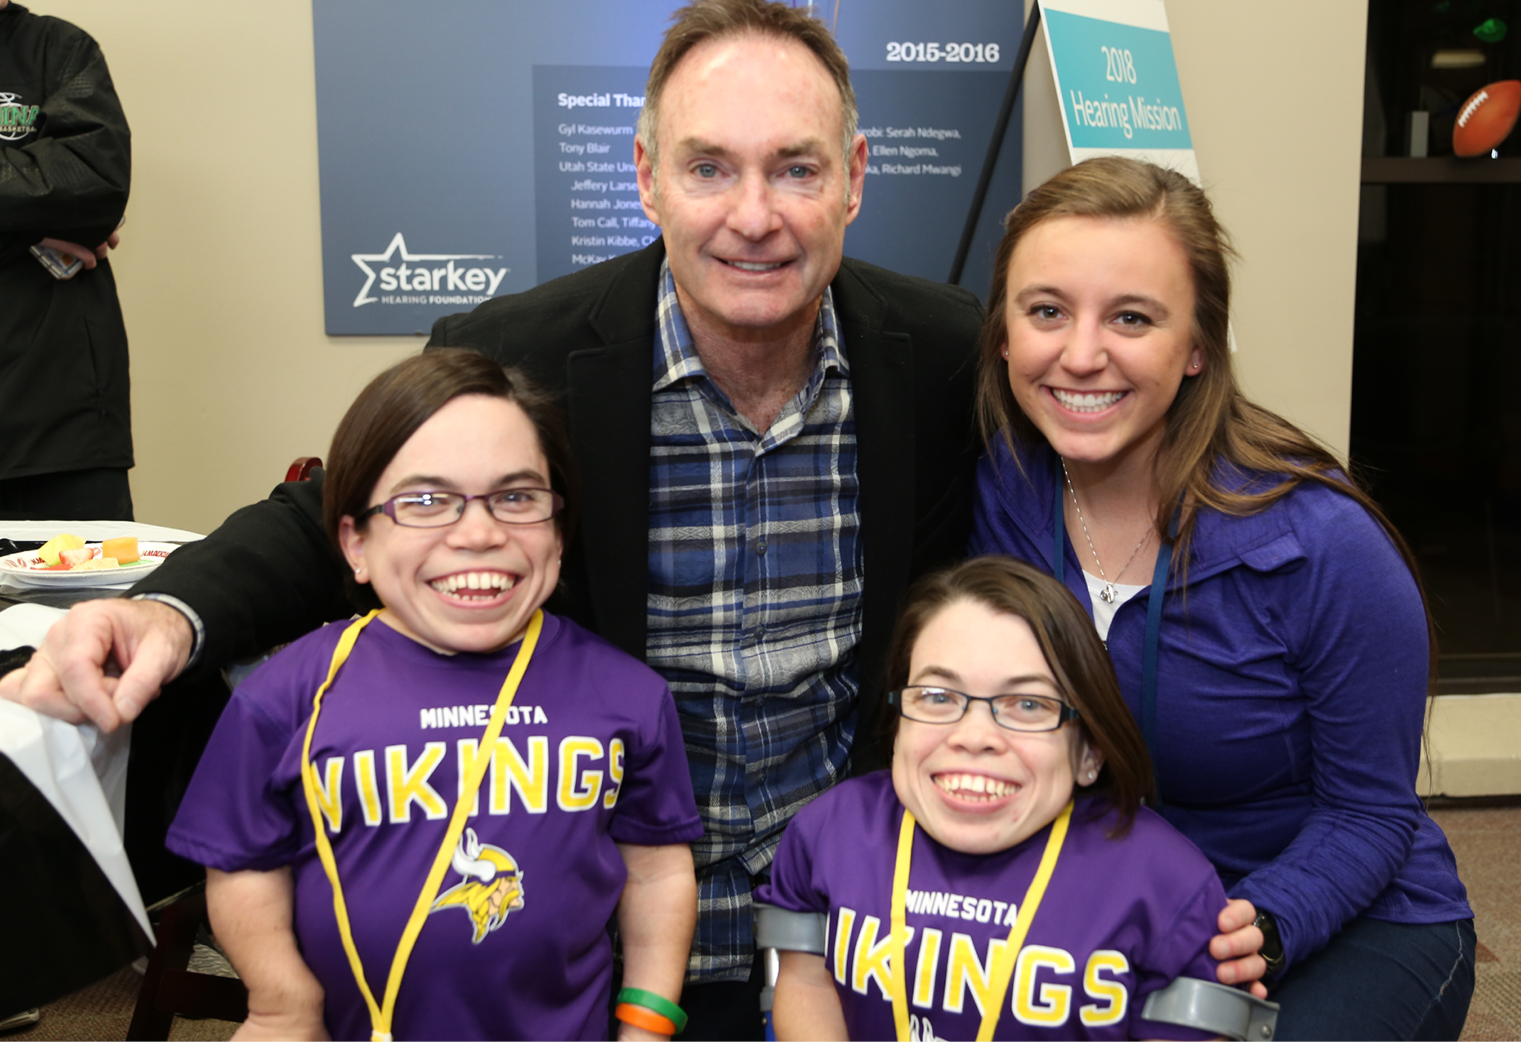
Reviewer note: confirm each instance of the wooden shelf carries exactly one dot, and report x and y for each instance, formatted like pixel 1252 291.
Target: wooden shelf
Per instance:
pixel 1383 170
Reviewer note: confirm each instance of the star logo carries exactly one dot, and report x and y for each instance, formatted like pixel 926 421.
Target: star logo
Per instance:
pixel 399 245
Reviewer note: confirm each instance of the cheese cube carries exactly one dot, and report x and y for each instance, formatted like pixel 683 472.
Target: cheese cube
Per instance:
pixel 124 549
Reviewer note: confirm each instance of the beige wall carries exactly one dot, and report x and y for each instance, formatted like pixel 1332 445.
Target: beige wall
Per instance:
pixel 220 267
pixel 220 264
pixel 1274 94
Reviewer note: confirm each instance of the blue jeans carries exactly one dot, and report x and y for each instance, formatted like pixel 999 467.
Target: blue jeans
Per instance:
pixel 1379 980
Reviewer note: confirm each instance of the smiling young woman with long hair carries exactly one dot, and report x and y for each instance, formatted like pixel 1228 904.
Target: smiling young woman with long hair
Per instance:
pixel 1264 617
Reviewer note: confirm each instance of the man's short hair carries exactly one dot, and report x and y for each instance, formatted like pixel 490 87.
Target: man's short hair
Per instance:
pixel 719 19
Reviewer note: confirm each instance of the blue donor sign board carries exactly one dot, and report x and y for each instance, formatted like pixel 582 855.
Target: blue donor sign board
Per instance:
pixel 475 148
pixel 1118 81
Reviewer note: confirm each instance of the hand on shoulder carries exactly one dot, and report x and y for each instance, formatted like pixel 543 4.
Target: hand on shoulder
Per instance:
pixel 1237 946
pixel 103 662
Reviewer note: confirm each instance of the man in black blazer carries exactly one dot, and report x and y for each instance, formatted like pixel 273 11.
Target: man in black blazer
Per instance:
pixel 267 574
pixel 750 163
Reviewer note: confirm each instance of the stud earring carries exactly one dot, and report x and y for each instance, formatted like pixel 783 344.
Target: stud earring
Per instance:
pixel 1006 354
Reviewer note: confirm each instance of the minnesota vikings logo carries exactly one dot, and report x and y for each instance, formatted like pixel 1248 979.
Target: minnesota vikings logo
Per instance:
pixel 921 1030
pixel 492 885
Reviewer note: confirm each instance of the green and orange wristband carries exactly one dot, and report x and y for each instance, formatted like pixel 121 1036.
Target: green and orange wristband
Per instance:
pixel 645 1009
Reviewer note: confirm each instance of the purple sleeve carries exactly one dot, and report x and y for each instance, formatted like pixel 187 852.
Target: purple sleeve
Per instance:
pixel 983 539
pixel 792 885
pixel 1357 634
pixel 1180 950
pixel 655 802
pixel 237 813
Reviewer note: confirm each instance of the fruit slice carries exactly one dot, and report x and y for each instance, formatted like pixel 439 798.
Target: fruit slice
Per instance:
pixel 75 558
pixel 50 549
pixel 123 549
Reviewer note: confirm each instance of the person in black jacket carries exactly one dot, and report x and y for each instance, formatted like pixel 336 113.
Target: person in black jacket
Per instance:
pixel 65 165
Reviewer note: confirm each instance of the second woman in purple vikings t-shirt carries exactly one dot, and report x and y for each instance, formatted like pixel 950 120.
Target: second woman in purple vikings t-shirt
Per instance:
pixel 1009 715
pixel 582 810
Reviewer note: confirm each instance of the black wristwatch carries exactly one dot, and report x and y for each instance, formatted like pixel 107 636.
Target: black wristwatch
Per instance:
pixel 1272 945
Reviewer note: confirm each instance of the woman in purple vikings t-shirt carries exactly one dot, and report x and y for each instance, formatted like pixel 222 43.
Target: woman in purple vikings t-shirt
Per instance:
pixel 1012 747
pixel 1262 614
pixel 502 868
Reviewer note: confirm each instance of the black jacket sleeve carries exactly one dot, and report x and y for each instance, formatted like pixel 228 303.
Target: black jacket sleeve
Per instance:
pixel 70 181
pixel 263 578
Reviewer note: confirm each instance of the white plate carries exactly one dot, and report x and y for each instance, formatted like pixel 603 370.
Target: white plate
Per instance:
pixel 27 569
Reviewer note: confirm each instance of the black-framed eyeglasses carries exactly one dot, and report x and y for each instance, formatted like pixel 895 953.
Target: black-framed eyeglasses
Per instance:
pixel 512 506
pixel 942 705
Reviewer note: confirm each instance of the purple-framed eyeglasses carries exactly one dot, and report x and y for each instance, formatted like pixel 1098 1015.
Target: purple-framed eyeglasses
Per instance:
pixel 512 506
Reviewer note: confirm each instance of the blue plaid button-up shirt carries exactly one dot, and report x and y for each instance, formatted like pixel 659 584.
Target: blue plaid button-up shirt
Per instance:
pixel 754 609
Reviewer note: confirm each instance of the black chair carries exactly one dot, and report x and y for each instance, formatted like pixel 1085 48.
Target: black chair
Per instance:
pixel 170 988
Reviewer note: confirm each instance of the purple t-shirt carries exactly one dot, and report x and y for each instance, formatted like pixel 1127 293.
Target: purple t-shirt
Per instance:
pixel 590 755
pixel 1120 919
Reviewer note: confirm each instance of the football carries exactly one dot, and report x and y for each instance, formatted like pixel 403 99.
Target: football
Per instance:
pixel 1486 118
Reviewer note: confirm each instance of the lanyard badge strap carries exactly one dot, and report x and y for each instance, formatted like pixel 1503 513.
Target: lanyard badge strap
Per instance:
pixel 1151 648
pixel 1005 958
pixel 381 1014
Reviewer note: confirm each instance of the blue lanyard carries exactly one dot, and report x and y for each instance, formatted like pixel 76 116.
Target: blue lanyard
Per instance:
pixel 1153 622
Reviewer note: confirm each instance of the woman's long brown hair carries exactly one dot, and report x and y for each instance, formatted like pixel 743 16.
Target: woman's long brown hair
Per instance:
pixel 1214 433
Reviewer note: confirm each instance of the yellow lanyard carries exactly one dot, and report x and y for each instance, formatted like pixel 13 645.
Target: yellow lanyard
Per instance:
pixel 380 1017
pixel 1003 967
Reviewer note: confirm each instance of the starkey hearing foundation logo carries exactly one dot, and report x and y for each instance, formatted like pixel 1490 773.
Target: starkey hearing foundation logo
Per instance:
pixel 16 120
pixel 426 278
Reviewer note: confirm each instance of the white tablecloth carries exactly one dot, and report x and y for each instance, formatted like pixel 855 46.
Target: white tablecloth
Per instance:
pixel 94 530
pixel 81 772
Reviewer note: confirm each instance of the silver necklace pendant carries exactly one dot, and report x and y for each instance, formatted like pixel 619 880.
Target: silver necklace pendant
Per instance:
pixel 1110 593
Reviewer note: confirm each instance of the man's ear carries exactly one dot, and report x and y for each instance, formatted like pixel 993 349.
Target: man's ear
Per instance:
pixel 644 173
pixel 856 172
